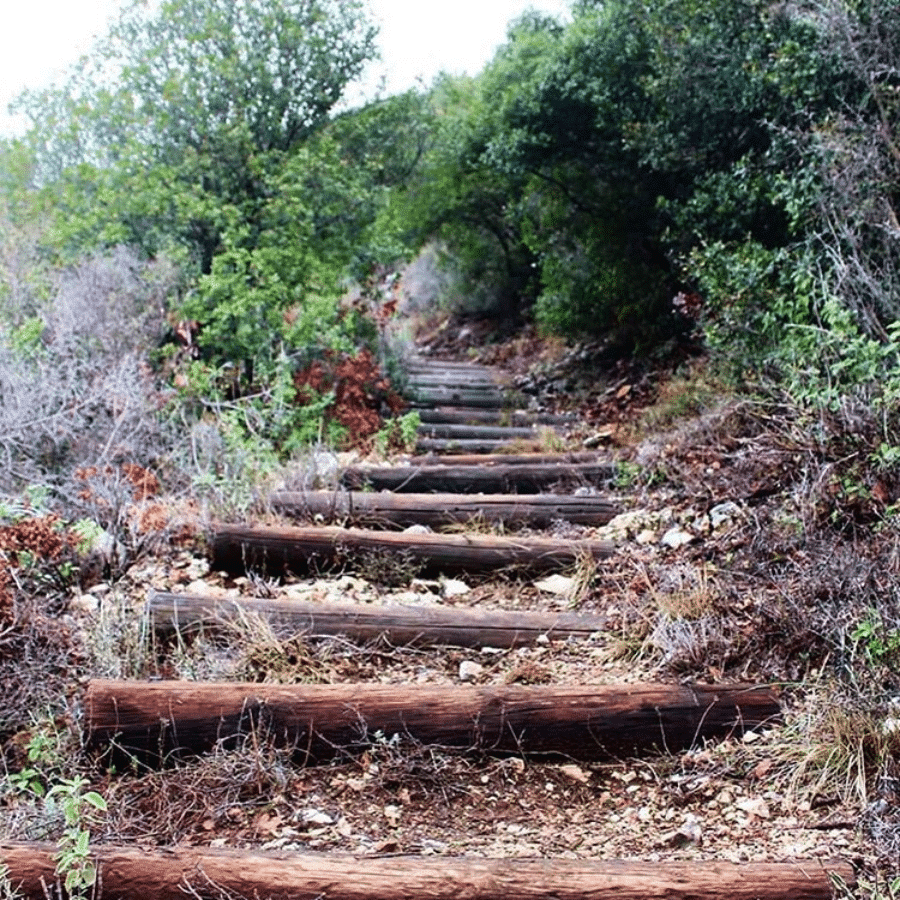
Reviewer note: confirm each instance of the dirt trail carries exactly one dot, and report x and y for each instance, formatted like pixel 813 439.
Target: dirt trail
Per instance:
pixel 718 800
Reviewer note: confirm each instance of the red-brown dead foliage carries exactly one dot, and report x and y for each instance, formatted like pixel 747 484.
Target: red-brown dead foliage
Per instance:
pixel 143 483
pixel 179 522
pixel 360 391
pixel 41 537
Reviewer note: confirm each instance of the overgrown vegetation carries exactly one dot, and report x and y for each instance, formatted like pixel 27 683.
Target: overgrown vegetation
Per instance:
pixel 196 258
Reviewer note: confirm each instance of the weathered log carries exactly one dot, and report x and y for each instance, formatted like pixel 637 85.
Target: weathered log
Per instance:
pixel 461 447
pixel 277 551
pixel 500 478
pixel 460 396
pixel 429 364
pixel 490 460
pixel 176 872
pixel 587 722
pixel 483 432
pixel 455 378
pixel 422 364
pixel 186 614
pixel 385 508
pixel 467 415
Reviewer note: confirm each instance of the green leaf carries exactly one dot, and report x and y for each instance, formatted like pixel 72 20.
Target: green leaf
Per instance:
pixel 95 800
pixel 82 843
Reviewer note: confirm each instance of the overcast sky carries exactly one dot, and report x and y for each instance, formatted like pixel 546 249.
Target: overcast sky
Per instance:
pixel 39 38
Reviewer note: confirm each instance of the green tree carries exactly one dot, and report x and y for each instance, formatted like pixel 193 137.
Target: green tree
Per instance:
pixel 464 202
pixel 207 96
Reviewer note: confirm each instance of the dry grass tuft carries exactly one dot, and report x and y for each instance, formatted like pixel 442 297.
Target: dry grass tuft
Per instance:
pixel 676 617
pixel 385 568
pixel 847 747
pixel 264 656
pixel 225 790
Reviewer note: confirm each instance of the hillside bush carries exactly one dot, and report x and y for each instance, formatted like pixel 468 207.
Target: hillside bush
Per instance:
pixel 76 388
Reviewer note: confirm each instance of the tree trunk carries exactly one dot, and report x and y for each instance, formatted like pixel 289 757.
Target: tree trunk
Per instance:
pixel 154 719
pixel 440 510
pixel 185 614
pixel 177 872
pixel 500 478
pixel 280 550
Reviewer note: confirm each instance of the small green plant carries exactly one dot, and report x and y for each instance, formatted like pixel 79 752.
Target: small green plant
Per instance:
pixel 878 887
pixel 66 798
pixel 89 533
pixel 877 642
pixel 626 474
pixel 33 501
pixel 40 751
pixel 73 856
pixel 399 433
pixel 387 569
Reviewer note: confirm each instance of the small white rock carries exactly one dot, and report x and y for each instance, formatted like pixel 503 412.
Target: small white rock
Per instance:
pixel 723 513
pixel 676 537
pixel 559 585
pixel 85 604
pixel 575 773
pixel 196 569
pixel 425 586
pixel 690 829
pixel 316 817
pixel 417 529
pixel 469 671
pixel 754 806
pixel 452 587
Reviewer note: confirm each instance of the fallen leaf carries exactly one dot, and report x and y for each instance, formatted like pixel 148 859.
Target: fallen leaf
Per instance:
pixel 268 824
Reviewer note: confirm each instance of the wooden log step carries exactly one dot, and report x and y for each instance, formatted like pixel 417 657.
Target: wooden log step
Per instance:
pixel 455 378
pixel 172 873
pixel 424 364
pixel 373 510
pixel 510 459
pixel 483 432
pixel 278 551
pixel 468 415
pixel 499 478
pixel 587 722
pixel 458 396
pixel 458 446
pixel 421 626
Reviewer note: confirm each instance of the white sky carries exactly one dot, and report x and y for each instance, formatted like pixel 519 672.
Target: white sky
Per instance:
pixel 40 38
